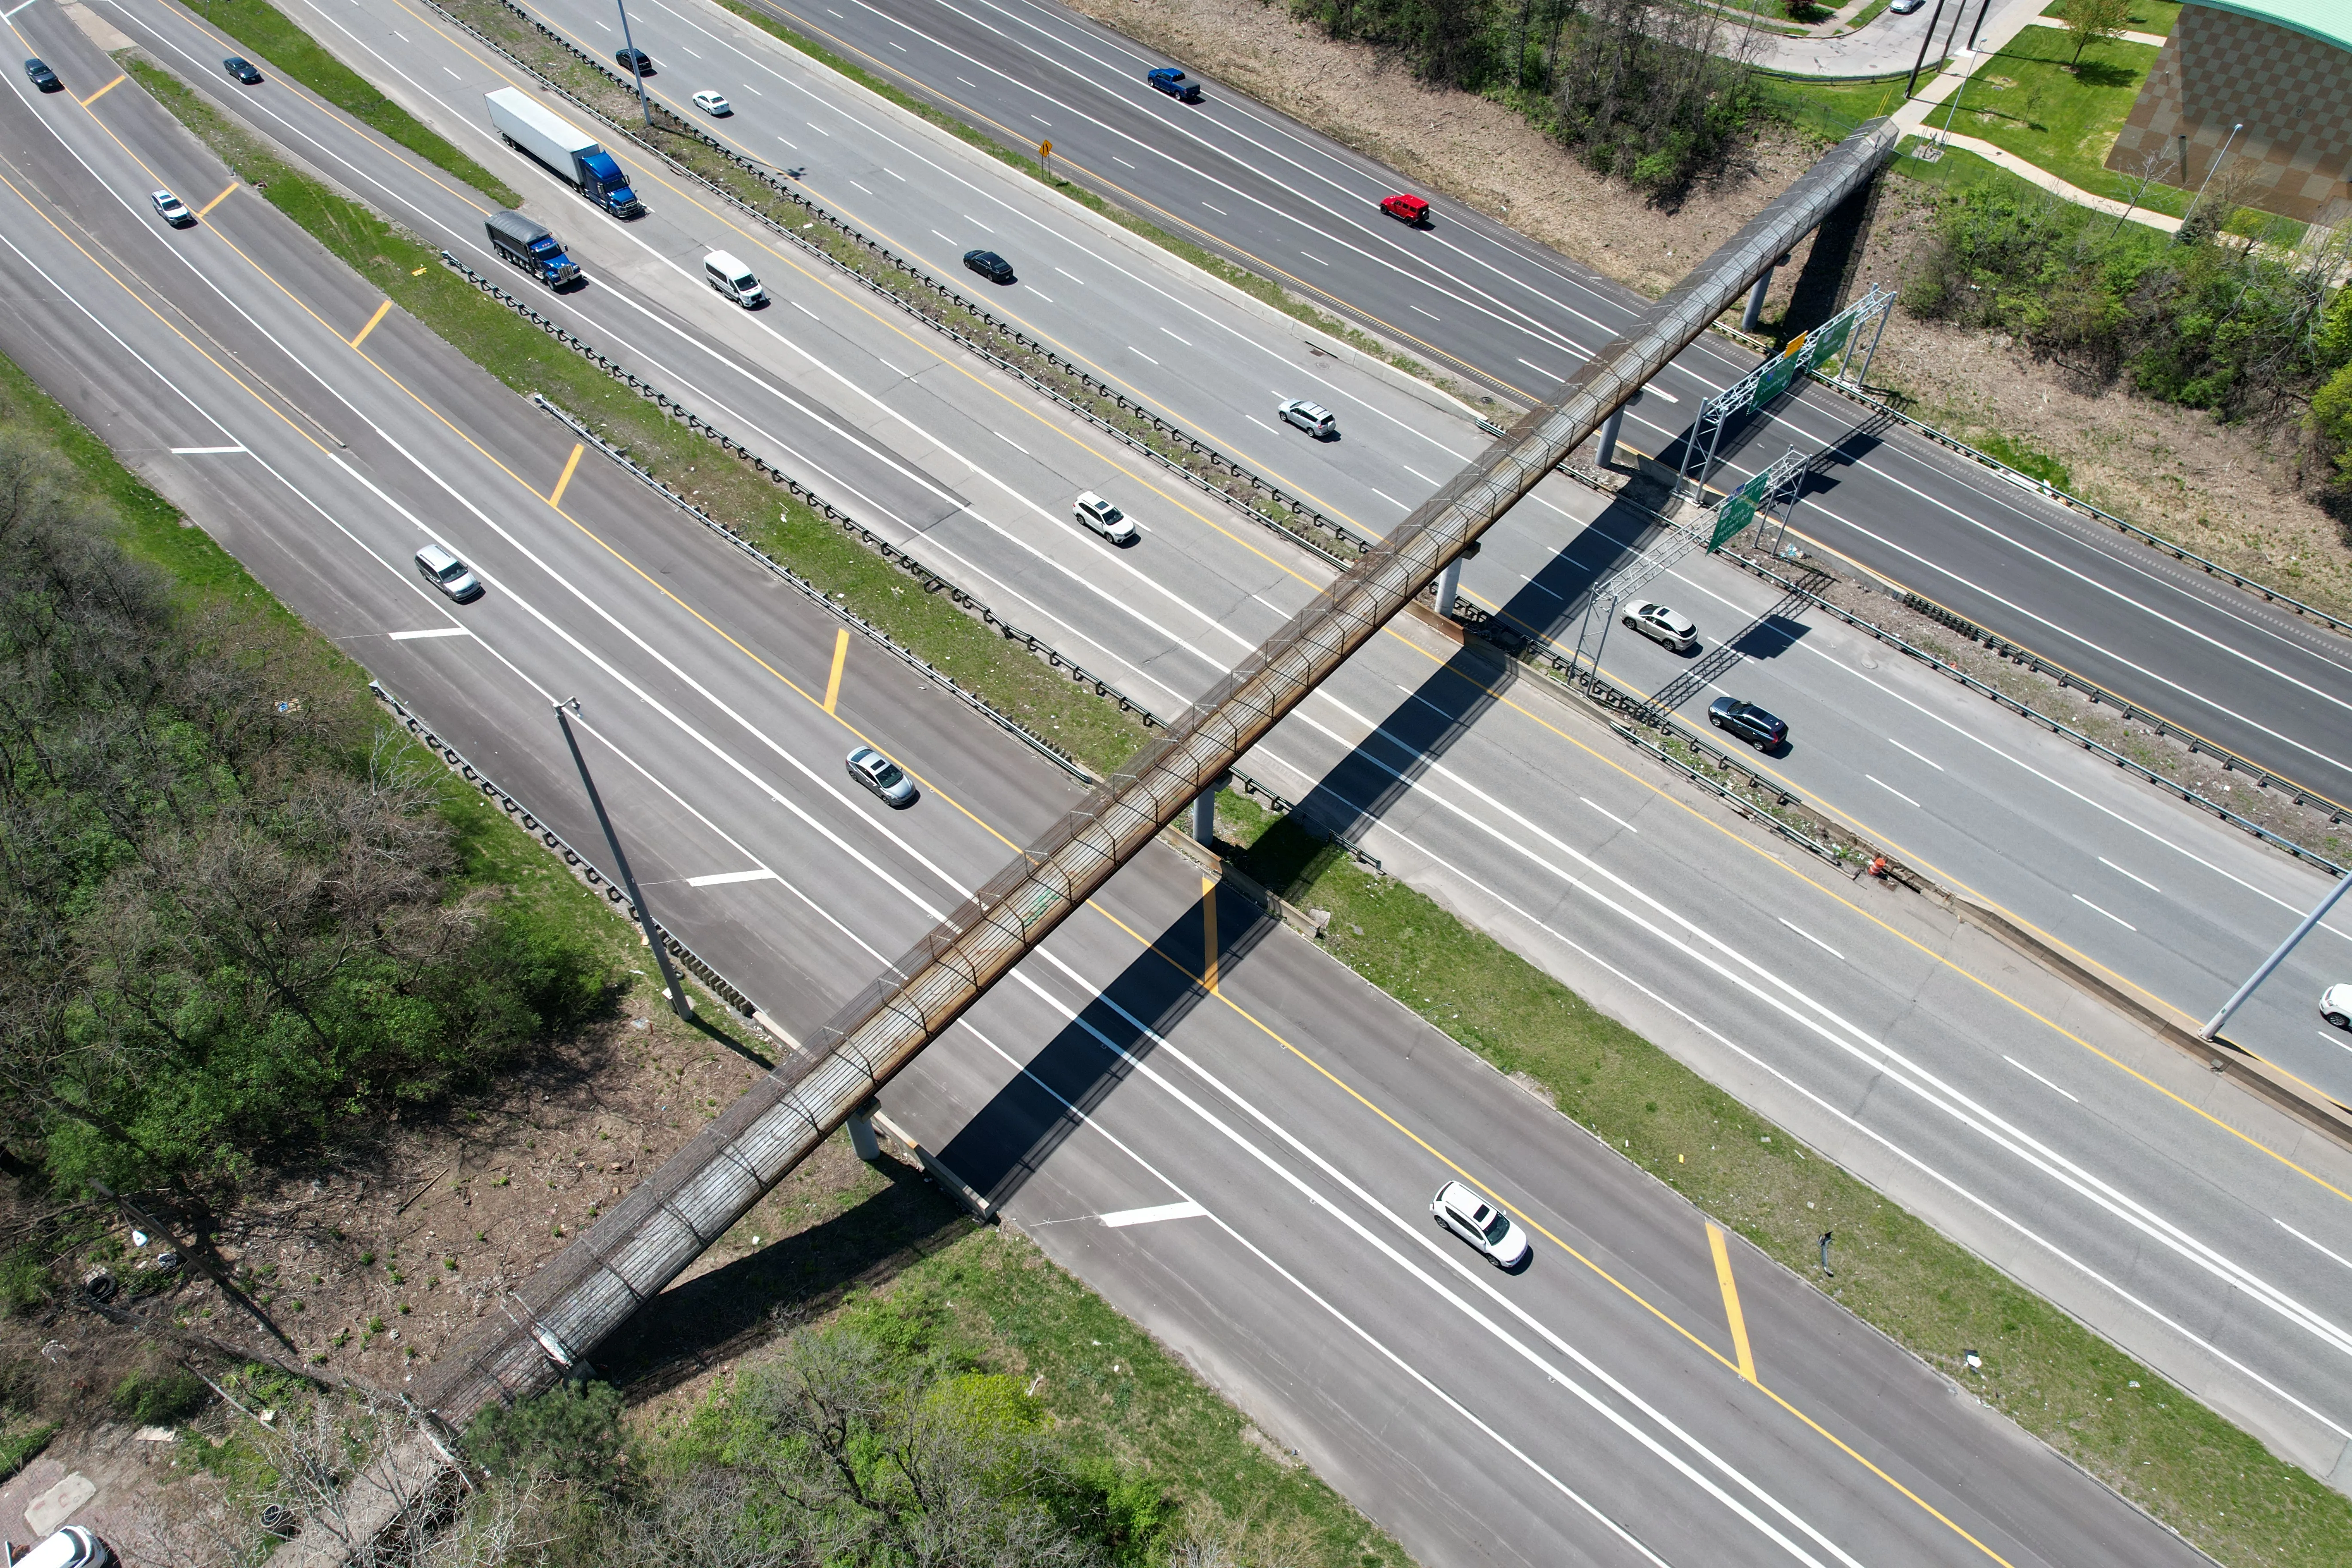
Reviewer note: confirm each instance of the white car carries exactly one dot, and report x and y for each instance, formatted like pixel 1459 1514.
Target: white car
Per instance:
pixel 714 104
pixel 448 573
pixel 70 1547
pixel 2335 1006
pixel 1667 629
pixel 883 776
pixel 1106 519
pixel 171 209
pixel 1460 1209
pixel 1312 417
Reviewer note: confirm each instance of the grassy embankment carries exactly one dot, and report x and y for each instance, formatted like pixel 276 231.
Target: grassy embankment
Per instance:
pixel 2179 1461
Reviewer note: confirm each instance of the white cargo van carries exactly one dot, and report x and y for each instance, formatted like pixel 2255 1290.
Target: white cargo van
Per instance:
pixel 734 280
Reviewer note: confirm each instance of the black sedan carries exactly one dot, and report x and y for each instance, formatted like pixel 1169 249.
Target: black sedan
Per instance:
pixel 240 68
pixel 989 265
pixel 636 60
pixel 42 77
pixel 1746 722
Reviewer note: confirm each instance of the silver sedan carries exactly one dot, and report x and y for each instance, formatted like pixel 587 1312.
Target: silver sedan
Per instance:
pixel 883 776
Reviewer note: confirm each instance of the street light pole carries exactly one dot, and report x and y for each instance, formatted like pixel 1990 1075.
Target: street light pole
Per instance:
pixel 2238 997
pixel 2215 167
pixel 1928 38
pixel 679 1002
pixel 639 77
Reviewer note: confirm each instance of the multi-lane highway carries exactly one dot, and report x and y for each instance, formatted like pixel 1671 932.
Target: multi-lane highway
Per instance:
pixel 1481 301
pixel 1596 1408
pixel 2006 1126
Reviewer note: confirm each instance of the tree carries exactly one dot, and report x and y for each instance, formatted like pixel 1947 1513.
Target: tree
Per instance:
pixel 2092 20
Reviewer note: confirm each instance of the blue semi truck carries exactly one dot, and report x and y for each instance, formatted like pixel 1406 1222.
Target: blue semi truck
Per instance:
pixel 566 149
pixel 528 244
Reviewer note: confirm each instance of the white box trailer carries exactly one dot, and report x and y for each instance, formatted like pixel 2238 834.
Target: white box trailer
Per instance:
pixel 564 149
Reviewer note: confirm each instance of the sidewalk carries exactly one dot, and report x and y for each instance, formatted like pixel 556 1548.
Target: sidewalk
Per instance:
pixel 1891 42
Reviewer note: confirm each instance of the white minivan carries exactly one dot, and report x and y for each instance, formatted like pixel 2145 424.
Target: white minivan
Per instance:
pixel 734 280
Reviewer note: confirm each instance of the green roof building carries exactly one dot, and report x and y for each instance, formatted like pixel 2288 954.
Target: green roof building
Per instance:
pixel 2252 100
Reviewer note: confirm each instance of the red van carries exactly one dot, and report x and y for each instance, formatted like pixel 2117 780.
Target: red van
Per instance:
pixel 1409 209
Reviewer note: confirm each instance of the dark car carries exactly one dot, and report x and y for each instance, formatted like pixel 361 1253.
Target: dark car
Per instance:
pixel 1175 84
pixel 1747 722
pixel 242 69
pixel 636 60
pixel 989 265
pixel 42 77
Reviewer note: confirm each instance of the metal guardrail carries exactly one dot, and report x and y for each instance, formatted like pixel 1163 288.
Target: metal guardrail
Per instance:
pixel 2051 492
pixel 1345 539
pixel 582 866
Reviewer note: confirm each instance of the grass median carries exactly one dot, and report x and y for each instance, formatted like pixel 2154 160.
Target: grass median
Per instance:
pixel 528 360
pixel 2092 1402
pixel 270 34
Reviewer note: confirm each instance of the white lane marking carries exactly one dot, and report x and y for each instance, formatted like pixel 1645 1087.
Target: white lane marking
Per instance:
pixel 1653 389
pixel 1261 424
pixel 893 369
pixel 452 76
pixel 1120 1219
pixel 969 82
pixel 815 127
pixel 1901 747
pixel 1891 789
pixel 894 173
pixel 1388 498
pixel 13 10
pixel 1178 339
pixel 600 25
pixel 796 147
pixel 2135 876
pixel 2118 919
pixel 2330 1037
pixel 433 632
pixel 1308 254
pixel 1140 353
pixel 1041 293
pixel 867 189
pixel 804 310
pixel 1046 123
pixel 689 51
pixel 975 223
pixel 1416 473
pixel 187 451
pixel 1218 211
pixel 1072 276
pixel 1353 1327
pixel 1430 314
pixel 2308 1242
pixel 726 879
pixel 2036 1077
pixel 1608 814
pixel 1809 936
pixel 1012 443
pixel 1532 366
pixel 1114 157
pixel 944 236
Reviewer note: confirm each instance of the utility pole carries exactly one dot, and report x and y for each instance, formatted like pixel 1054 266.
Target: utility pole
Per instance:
pixel 2238 998
pixel 2214 168
pixel 646 109
pixel 1977 31
pixel 1925 40
pixel 679 1002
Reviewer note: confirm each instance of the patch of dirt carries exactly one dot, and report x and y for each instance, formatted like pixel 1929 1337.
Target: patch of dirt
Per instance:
pixel 2225 492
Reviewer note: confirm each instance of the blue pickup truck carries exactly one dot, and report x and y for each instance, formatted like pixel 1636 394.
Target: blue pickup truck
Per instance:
pixel 1175 84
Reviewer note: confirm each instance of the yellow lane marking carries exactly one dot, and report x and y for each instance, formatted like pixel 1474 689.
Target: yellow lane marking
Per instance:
pixel 1209 932
pixel 220 198
pixel 384 309
pixel 840 657
pixel 1731 1299
pixel 562 480
pixel 103 91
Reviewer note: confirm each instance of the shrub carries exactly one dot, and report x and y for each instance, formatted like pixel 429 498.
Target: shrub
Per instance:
pixel 163 1398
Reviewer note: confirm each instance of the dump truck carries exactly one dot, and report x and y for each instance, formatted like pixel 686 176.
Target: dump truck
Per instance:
pixel 526 243
pixel 565 148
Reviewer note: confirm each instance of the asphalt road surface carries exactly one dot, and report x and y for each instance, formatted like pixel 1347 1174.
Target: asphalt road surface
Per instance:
pixel 1594 1408
pixel 2019 1126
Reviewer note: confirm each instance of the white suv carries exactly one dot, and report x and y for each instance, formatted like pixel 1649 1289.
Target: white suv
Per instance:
pixel 1106 519
pixel 448 573
pixel 1666 628
pixel 2335 1006
pixel 1460 1209
pixel 1311 417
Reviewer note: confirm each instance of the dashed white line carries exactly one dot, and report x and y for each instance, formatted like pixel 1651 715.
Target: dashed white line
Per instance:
pixel 1261 424
pixel 1046 123
pixel 433 632
pixel 1661 392
pixel 1120 162
pixel 1218 211
pixel 1173 335
pixel 1901 747
pixel 1140 353
pixel 804 310
pixel 723 878
pixel 1073 278
pixel 2135 876
pixel 1809 936
pixel 885 364
pixel 1890 789
pixel 815 127
pixel 2118 919
pixel 2037 1077
pixel 193 451
pixel 1308 254
pixel 1608 814
pixel 1532 366
pixel 1041 293
pixel 452 76
pixel 976 223
pixel 1416 473
pixel 1012 443
pixel 867 189
pixel 2308 1242
pixel 1430 314
pixel 1390 498
pixel 1121 1218
pixel 793 145
pixel 944 236
pixel 894 173
pixel 969 82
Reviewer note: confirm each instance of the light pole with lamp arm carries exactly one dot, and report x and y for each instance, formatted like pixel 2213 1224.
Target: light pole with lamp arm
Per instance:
pixel 679 1002
pixel 634 74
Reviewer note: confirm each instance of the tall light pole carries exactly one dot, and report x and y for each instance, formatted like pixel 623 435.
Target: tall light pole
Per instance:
pixel 2237 997
pixel 2216 165
pixel 679 1002
pixel 1926 38
pixel 634 74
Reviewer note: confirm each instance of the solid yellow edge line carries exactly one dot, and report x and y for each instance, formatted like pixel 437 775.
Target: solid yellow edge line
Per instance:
pixel 384 310
pixel 555 497
pixel 1731 1299
pixel 103 91
pixel 219 199
pixel 840 657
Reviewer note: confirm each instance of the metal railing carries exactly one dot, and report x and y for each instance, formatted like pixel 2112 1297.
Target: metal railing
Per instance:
pixel 638 1246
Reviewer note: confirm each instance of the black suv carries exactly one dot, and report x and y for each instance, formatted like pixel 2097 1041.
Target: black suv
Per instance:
pixel 635 60
pixel 989 265
pixel 242 69
pixel 42 77
pixel 1747 722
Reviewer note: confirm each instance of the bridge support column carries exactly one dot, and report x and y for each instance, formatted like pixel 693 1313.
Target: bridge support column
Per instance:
pixel 862 1141
pixel 1449 585
pixel 1754 312
pixel 1609 429
pixel 1204 814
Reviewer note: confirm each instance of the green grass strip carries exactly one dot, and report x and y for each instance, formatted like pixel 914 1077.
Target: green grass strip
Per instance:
pixel 270 34
pixel 528 360
pixel 2092 1402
